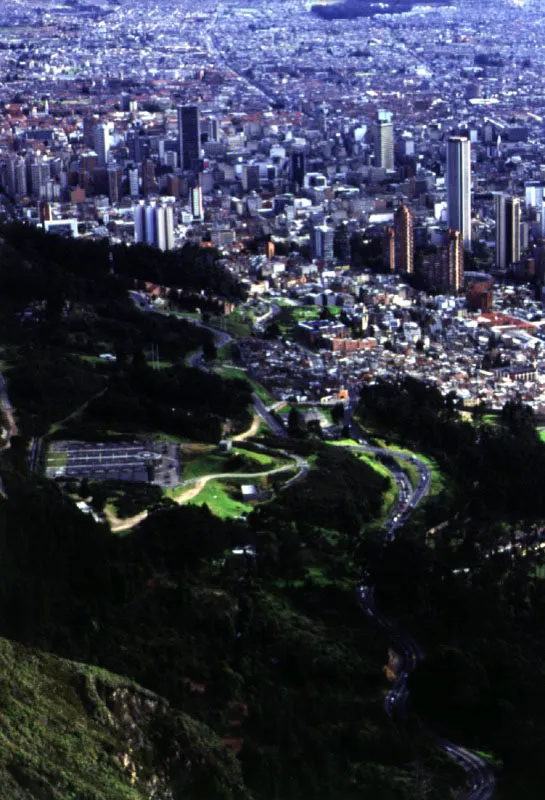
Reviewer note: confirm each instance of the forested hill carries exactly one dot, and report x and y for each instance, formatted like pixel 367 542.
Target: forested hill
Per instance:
pixel 266 681
pixel 351 9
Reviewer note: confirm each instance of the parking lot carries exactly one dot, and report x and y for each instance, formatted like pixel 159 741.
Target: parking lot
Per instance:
pixel 136 462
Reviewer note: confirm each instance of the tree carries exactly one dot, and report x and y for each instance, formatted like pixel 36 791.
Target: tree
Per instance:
pixel 337 413
pixel 295 423
pixel 209 351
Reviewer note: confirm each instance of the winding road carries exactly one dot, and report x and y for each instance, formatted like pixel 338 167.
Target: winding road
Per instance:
pixel 480 775
pixel 481 778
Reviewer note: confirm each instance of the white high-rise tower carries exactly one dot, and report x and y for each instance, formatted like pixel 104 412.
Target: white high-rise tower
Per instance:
pixel 459 187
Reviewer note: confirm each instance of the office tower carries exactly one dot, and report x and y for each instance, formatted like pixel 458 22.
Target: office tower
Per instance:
pixel 343 244
pixel 150 221
pixel 154 224
pixel 171 159
pixel 322 240
pixel 39 176
pixel 139 215
pixel 250 178
pixel 89 123
pixel 115 175
pixel 164 227
pixel 101 143
pixel 533 194
pixel 388 248
pixel 444 267
pixel 173 186
pixel 507 231
pixel 195 196
pixel 213 130
pixel 138 145
pixel 16 177
pixel 149 184
pixel 125 101
pixel 297 168
pixel 459 187
pixel 134 186
pixel 189 136
pixel 384 141
pixel 403 239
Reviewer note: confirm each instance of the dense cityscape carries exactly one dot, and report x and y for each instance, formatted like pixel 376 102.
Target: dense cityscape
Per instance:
pixel 272 399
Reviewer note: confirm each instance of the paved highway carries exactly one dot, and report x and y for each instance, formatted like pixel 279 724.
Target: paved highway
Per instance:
pixel 480 776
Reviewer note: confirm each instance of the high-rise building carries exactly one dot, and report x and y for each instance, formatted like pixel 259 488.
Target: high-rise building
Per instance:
pixel 444 267
pixel 138 145
pixel 403 239
pixel 250 178
pixel 195 197
pixel 164 226
pixel 115 175
pixel 149 184
pixel 134 187
pixel 384 141
pixel 507 231
pixel 533 192
pixel 189 136
pixel 89 122
pixel 154 224
pixel 101 143
pixel 388 248
pixel 322 241
pixel 459 187
pixel 39 176
pixel 297 168
pixel 16 177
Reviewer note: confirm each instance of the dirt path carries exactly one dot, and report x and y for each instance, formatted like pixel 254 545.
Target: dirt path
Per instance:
pixel 252 430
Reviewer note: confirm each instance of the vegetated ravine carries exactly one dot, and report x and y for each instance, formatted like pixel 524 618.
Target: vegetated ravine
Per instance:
pixel 481 777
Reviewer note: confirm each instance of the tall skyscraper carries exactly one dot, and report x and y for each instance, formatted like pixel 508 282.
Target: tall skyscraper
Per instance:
pixel 384 141
pixel 250 178
pixel 444 267
pixel 297 167
pixel 507 231
pixel 101 143
pixel 154 224
pixel 149 184
pixel 189 136
pixel 115 176
pixel 459 187
pixel 403 239
pixel 322 241
pixel 16 176
pixel 195 196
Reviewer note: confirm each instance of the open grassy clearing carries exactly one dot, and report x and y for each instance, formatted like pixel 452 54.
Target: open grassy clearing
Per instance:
pixel 211 461
pixel 221 498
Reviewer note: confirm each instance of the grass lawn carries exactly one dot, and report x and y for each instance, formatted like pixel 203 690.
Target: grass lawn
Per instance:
pixel 221 497
pixel 210 462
